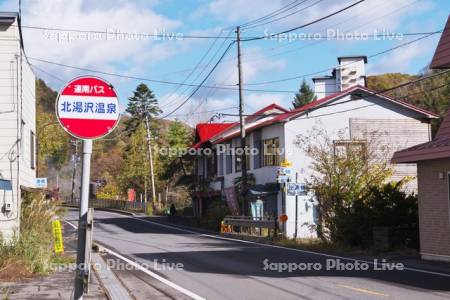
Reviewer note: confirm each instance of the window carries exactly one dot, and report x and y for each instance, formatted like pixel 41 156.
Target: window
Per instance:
pixel 271 152
pixel 220 164
pixel 32 154
pixel 346 148
pixel 257 145
pixel 238 158
pixel 228 159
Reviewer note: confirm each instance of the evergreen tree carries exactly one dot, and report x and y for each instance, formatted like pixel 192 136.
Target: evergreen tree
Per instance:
pixel 142 103
pixel 304 96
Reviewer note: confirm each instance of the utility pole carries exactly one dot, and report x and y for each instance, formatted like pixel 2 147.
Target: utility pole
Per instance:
pixel 151 158
pixel 242 126
pixel 75 164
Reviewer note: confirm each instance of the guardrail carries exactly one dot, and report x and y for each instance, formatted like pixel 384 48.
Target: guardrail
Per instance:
pixel 132 206
pixel 244 225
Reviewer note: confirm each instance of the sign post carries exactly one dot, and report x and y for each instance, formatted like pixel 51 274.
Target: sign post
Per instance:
pixel 87 108
pixel 284 174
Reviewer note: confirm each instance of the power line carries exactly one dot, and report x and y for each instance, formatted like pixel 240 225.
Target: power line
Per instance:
pixel 329 69
pixel 154 80
pixel 203 68
pixel 304 25
pixel 372 94
pixel 201 83
pixel 285 16
pixel 195 68
pixel 273 14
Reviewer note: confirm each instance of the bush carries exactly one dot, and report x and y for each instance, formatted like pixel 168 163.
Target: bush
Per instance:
pixel 32 249
pixel 387 206
pixel 214 215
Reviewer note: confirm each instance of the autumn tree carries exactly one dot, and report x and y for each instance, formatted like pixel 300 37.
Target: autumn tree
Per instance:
pixel 304 95
pixel 343 173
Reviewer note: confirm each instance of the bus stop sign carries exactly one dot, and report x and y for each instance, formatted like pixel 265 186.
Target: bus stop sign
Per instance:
pixel 88 108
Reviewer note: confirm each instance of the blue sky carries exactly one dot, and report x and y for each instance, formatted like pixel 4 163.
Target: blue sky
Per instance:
pixel 263 60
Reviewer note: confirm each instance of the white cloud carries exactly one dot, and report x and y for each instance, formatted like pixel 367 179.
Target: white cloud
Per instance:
pixel 241 11
pixel 108 15
pixel 399 60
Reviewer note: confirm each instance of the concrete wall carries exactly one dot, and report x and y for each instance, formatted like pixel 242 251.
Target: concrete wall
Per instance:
pixel 17 122
pixel 434 208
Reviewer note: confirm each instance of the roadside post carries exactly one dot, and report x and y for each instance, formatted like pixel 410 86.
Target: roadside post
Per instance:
pixel 284 174
pixel 87 108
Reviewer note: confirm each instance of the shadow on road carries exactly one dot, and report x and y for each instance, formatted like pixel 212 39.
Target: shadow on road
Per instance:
pixel 258 261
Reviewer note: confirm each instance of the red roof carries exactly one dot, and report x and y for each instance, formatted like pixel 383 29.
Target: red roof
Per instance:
pixel 318 103
pixel 441 58
pixel 205 131
pixel 286 114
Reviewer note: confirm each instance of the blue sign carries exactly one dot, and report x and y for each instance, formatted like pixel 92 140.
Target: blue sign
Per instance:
pixel 296 189
pixel 41 182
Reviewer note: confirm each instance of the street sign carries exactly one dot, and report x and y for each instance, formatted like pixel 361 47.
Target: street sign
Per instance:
pixel 283 179
pixel 88 108
pixel 41 182
pixel 296 189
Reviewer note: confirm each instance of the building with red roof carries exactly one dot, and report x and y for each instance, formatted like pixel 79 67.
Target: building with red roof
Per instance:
pixel 273 130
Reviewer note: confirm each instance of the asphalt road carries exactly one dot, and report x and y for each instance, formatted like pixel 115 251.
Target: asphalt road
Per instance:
pixel 215 268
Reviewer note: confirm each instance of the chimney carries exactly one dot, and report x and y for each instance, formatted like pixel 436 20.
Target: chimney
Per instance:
pixel 350 72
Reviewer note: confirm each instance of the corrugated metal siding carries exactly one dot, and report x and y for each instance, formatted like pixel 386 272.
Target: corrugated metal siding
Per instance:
pixel 398 134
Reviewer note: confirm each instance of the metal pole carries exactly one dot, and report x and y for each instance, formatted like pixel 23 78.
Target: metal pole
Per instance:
pixel 151 158
pixel 82 270
pixel 242 125
pixel 296 207
pixel 75 164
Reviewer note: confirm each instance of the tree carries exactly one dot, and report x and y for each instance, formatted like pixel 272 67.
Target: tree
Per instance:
pixel 142 103
pixel 177 139
pixel 344 172
pixel 304 96
pixel 136 172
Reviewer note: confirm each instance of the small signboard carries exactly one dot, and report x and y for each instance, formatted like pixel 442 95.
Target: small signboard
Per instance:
pixel 57 236
pixel 283 179
pixel 88 108
pixel 296 189
pixel 284 172
pixel 41 182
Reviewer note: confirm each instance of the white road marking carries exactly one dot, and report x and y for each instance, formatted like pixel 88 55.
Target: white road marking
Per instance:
pixel 150 273
pixel 275 246
pixel 156 276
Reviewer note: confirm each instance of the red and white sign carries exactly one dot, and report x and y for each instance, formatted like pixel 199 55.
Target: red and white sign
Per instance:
pixel 88 108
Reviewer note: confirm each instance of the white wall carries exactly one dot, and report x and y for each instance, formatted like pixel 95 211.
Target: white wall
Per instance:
pixel 15 138
pixel 327 119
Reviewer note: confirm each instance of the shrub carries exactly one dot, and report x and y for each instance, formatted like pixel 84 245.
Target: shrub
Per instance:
pixel 32 249
pixel 387 206
pixel 214 214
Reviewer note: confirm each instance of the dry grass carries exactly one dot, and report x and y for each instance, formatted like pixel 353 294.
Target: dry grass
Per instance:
pixel 30 252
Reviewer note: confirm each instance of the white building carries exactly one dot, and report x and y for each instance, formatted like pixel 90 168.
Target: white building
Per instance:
pixel 17 124
pixel 355 111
